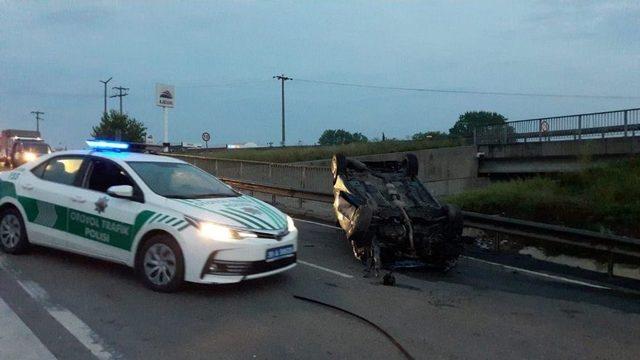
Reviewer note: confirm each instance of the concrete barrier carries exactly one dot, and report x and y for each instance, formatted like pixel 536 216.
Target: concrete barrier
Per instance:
pixel 445 171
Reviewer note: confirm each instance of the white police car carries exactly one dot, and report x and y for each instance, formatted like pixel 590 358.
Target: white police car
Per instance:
pixel 168 219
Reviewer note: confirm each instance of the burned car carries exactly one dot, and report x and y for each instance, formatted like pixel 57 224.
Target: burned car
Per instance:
pixel 390 218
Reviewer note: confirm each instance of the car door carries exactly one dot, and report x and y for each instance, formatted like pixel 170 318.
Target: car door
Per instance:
pixel 46 194
pixel 104 224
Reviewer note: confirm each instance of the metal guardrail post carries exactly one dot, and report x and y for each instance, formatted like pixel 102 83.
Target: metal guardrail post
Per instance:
pixel 579 127
pixel 626 123
pixel 303 185
pixel 540 130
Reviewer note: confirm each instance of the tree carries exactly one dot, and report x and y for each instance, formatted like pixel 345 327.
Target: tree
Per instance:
pixel 429 135
pixel 339 136
pixel 113 122
pixel 472 119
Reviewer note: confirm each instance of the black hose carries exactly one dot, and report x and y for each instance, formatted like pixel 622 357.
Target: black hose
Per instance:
pixel 381 330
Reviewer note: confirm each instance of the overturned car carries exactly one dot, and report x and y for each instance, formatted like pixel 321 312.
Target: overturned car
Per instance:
pixel 390 218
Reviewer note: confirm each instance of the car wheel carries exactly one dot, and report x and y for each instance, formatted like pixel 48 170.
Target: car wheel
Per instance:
pixel 161 264
pixel 411 165
pixel 338 166
pixel 13 235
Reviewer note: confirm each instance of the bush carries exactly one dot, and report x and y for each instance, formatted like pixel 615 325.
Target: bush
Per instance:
pixel 605 199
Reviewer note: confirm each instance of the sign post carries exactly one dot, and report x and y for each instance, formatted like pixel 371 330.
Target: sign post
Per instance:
pixel 206 137
pixel 165 98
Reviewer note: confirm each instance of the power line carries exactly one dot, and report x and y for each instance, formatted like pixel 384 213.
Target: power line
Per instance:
pixel 221 85
pixel 474 92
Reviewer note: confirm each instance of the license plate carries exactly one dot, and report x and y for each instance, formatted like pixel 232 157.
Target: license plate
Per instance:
pixel 279 252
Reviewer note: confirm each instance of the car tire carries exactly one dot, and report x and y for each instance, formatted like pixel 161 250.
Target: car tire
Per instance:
pixel 338 166
pixel 13 234
pixel 160 264
pixel 411 165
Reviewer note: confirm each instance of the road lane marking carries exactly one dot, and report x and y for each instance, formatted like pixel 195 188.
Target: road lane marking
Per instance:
pixel 69 321
pixel 318 223
pixel 531 272
pixel 17 341
pixel 334 272
pixel 536 273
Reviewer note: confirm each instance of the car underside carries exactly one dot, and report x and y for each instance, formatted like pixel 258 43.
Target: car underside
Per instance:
pixel 390 218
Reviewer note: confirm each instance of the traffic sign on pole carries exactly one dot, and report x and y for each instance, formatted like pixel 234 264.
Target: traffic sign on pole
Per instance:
pixel 206 137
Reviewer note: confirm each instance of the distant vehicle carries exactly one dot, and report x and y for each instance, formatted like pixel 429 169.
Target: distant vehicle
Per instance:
pixel 8 139
pixel 24 151
pixel 168 219
pixel 390 218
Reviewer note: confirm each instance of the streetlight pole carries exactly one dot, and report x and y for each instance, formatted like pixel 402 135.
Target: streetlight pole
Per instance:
pixel 105 92
pixel 282 79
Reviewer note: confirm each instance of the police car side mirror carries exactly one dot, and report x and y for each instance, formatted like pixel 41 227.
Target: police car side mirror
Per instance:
pixel 121 191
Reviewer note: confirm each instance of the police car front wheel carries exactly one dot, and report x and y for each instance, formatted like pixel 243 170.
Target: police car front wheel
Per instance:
pixel 13 235
pixel 160 264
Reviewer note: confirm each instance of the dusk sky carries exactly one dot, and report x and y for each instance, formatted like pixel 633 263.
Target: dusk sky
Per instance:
pixel 221 56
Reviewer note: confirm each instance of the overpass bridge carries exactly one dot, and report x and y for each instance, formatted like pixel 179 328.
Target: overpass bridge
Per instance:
pixel 557 144
pixel 535 146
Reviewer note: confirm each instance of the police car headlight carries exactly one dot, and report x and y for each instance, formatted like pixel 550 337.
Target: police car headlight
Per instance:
pixel 223 233
pixel 291 226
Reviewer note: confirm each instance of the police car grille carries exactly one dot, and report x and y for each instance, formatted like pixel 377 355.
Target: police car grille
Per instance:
pixel 225 267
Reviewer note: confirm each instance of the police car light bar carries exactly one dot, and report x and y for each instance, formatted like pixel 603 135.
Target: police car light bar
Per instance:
pixel 106 145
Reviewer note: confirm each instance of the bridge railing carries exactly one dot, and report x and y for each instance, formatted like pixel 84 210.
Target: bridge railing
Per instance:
pixel 617 123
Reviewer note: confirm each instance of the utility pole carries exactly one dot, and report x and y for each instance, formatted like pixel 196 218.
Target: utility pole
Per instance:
pixel 38 118
pixel 105 93
pixel 121 93
pixel 282 79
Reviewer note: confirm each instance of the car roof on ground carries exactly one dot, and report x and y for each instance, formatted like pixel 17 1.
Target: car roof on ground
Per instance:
pixel 120 155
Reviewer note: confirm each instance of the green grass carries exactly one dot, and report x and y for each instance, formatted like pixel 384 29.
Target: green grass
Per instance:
pixel 604 199
pixel 297 154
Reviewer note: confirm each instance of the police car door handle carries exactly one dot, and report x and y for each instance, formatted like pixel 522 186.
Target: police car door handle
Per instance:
pixel 27 186
pixel 78 199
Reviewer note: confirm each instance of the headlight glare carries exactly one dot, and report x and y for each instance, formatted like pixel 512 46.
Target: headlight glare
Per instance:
pixel 220 232
pixel 215 232
pixel 29 156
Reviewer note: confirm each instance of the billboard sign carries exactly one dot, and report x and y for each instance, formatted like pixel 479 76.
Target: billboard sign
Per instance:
pixel 165 95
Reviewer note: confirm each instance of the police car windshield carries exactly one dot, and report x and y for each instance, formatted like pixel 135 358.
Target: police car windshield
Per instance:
pixel 180 181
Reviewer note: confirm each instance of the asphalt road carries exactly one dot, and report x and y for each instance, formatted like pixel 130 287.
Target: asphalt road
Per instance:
pixel 80 308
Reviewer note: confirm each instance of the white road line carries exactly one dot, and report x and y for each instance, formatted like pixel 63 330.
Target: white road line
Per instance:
pixel 69 321
pixel 334 272
pixel 318 223
pixel 545 275
pixel 17 341
pixel 531 272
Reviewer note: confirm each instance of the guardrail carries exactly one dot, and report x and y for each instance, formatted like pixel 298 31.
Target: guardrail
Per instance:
pixel 609 245
pixel 619 123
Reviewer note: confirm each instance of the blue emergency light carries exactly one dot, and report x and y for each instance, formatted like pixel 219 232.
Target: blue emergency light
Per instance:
pixel 107 145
